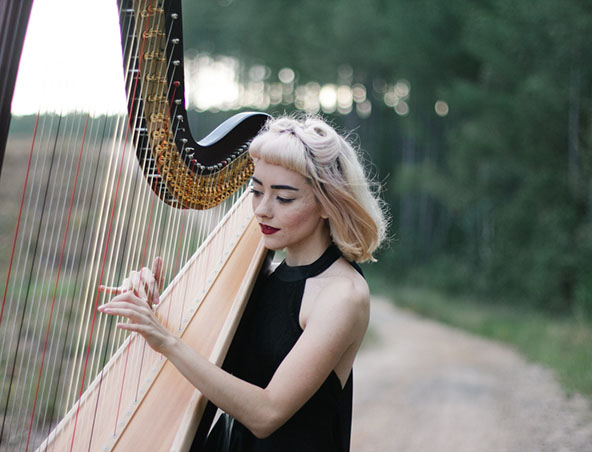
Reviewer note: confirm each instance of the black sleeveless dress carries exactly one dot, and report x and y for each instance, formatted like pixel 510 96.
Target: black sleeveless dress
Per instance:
pixel 268 330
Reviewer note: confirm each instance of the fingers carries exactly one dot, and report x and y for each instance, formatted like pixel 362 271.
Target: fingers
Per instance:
pixel 110 290
pixel 157 270
pixel 145 284
pixel 141 318
pixel 135 282
pixel 128 297
pixel 149 285
pixel 118 309
pixel 130 306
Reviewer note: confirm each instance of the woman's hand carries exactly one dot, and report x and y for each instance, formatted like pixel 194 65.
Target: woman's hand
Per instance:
pixel 134 301
pixel 145 284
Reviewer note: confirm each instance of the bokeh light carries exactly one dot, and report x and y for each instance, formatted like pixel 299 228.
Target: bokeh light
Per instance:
pixel 286 75
pixel 364 109
pixel 441 108
pixel 402 108
pixel 328 98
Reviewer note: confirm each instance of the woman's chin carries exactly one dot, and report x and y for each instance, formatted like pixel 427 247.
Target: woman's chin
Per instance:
pixel 272 244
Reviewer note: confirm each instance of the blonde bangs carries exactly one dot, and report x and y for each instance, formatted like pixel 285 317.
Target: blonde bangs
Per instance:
pixel 282 149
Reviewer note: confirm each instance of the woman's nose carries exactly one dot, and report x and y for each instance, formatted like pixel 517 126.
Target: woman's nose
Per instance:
pixel 263 208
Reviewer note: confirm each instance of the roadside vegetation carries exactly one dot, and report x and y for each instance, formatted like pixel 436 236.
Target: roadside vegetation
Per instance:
pixel 559 342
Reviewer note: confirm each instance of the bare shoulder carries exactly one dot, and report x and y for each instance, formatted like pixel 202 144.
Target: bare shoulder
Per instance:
pixel 346 278
pixel 339 289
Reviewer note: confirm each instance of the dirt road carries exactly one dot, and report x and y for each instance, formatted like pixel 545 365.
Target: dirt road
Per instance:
pixel 424 387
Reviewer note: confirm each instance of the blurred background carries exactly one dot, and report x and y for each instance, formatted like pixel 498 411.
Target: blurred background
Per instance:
pixel 475 119
pixel 475 116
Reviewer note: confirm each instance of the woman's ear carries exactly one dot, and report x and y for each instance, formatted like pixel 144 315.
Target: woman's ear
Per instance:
pixel 324 214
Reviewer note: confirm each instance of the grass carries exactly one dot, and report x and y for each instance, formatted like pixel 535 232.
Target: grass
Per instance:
pixel 563 344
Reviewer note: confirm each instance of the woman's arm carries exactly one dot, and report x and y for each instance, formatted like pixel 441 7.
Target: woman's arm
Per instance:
pixel 337 322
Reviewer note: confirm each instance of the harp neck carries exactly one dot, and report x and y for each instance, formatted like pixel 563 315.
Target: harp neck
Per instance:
pixel 183 172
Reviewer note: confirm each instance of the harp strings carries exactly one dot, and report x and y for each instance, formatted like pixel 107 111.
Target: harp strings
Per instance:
pixel 23 290
pixel 53 344
pixel 125 240
pixel 53 293
pixel 32 284
pixel 87 197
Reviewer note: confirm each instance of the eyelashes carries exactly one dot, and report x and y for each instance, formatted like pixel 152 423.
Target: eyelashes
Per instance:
pixel 256 193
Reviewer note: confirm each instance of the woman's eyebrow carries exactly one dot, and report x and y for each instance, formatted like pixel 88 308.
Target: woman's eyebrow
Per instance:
pixel 284 187
pixel 276 187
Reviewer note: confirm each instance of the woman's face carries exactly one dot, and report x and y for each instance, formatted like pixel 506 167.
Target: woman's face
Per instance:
pixel 288 213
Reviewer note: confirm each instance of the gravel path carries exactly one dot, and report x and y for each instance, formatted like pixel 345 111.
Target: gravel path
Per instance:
pixel 421 386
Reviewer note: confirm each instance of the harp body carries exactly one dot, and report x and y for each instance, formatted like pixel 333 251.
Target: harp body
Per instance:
pixel 155 407
pixel 106 195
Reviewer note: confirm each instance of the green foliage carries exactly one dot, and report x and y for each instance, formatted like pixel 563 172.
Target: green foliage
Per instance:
pixel 495 197
pixel 583 281
pixel 519 203
pixel 280 33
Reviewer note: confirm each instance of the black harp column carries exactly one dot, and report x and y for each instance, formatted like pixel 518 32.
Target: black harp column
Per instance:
pixel 14 17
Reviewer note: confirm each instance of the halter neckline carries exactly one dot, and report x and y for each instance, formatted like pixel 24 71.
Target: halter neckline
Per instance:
pixel 284 272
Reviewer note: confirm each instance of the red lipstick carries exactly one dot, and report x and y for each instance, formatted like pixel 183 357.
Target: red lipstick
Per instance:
pixel 267 229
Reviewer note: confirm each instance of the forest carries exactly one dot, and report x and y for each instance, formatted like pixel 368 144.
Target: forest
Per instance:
pixel 475 117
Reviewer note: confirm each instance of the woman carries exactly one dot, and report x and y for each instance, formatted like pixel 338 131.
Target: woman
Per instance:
pixel 287 383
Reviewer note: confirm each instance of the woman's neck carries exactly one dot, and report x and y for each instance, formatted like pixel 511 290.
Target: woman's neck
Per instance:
pixel 308 252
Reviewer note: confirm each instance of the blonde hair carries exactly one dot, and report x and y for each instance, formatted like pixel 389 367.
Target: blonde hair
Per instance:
pixel 312 148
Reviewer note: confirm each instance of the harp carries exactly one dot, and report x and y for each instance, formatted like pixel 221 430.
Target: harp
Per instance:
pixel 87 199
